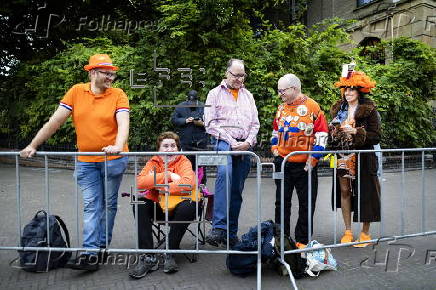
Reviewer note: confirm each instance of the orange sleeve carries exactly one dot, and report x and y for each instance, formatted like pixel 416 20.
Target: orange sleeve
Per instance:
pixel 145 179
pixel 187 180
pixel 122 102
pixel 68 101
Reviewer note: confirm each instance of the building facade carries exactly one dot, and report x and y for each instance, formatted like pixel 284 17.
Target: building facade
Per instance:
pixel 379 19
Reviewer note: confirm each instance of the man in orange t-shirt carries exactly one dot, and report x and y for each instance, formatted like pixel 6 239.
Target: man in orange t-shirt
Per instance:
pixel 101 119
pixel 299 125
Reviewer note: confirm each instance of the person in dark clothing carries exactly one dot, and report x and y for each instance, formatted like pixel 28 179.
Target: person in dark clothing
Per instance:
pixel 188 119
pixel 189 122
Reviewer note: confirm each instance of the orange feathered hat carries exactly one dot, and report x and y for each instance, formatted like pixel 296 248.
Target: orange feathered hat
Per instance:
pixel 358 80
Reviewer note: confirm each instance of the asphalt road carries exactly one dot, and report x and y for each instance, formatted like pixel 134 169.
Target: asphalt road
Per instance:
pixel 410 263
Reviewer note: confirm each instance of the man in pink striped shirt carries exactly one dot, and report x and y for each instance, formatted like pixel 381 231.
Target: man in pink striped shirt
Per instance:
pixel 231 118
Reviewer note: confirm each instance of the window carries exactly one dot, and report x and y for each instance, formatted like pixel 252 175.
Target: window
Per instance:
pixel 371 51
pixel 364 2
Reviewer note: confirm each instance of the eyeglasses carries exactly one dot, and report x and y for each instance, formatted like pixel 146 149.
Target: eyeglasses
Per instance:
pixel 281 91
pixel 109 75
pixel 240 76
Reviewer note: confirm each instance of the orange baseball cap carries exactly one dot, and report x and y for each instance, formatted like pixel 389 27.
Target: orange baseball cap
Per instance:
pixel 100 60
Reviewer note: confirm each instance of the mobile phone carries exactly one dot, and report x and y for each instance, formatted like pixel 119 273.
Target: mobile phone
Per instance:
pixel 335 122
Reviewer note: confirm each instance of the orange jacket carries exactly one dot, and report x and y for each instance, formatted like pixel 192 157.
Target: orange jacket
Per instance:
pixel 178 191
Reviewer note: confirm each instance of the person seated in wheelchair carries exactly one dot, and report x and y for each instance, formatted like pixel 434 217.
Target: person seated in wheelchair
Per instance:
pixel 178 196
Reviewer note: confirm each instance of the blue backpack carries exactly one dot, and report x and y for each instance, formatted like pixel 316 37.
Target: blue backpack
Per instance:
pixel 245 264
pixel 35 235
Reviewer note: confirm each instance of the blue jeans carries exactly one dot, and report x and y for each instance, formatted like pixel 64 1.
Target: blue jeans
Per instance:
pixel 235 173
pixel 91 180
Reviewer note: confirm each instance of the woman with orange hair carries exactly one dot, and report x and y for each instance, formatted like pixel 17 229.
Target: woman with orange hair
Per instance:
pixel 356 125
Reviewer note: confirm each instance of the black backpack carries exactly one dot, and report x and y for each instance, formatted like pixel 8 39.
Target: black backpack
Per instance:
pixel 245 264
pixel 295 261
pixel 35 235
pixel 241 265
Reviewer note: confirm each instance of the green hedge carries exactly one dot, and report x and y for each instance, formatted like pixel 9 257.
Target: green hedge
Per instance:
pixel 404 86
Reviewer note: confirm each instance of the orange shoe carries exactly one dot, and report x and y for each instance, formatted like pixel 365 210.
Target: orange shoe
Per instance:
pixel 363 237
pixel 300 245
pixel 347 237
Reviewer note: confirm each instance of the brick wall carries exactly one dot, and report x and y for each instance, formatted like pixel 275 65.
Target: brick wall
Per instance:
pixel 322 9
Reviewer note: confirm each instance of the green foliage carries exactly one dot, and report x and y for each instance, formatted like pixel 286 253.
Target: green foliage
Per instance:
pixel 205 34
pixel 42 86
pixel 404 89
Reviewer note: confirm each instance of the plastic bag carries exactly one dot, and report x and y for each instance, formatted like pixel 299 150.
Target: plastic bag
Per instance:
pixel 319 260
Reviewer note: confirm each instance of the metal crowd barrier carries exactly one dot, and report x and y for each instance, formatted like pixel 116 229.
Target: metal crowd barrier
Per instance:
pixel 382 238
pixel 209 158
pixel 216 158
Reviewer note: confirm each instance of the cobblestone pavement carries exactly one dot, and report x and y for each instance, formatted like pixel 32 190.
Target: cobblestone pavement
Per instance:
pixel 411 263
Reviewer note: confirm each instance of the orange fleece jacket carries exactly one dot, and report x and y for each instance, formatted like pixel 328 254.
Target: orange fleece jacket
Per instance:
pixel 183 187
